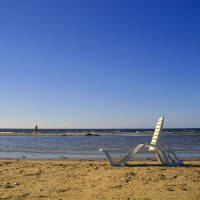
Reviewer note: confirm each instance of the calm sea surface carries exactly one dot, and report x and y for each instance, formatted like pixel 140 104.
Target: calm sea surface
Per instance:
pixel 186 146
pixel 96 130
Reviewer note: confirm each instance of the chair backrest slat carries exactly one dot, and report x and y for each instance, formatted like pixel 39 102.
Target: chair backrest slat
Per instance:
pixel 157 132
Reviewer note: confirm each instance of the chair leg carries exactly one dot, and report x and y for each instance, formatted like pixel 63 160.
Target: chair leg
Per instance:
pixel 120 163
pixel 125 157
pixel 174 161
pixel 169 159
pixel 109 158
pixel 160 159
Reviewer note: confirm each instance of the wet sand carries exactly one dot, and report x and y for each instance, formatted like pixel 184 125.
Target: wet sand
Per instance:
pixel 95 179
pixel 69 133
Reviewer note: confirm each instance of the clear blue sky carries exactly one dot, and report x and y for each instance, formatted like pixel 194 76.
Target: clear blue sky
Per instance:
pixel 99 63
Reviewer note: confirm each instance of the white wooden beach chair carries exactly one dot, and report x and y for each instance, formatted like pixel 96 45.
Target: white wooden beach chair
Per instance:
pixel 164 154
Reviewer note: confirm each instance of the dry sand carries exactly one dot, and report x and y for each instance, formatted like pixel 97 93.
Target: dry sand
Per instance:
pixel 68 179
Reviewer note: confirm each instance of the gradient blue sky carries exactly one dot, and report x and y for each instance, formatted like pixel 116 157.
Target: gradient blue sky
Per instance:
pixel 99 63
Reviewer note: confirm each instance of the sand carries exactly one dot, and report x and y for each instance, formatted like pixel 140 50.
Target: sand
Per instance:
pixel 82 179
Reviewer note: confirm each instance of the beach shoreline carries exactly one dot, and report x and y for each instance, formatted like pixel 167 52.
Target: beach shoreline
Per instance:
pixel 71 133
pixel 135 159
pixel 90 133
pixel 96 179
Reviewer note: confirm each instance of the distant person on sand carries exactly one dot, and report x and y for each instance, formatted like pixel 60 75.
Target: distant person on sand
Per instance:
pixel 36 129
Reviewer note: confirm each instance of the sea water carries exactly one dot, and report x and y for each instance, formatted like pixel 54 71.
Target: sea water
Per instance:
pixel 185 145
